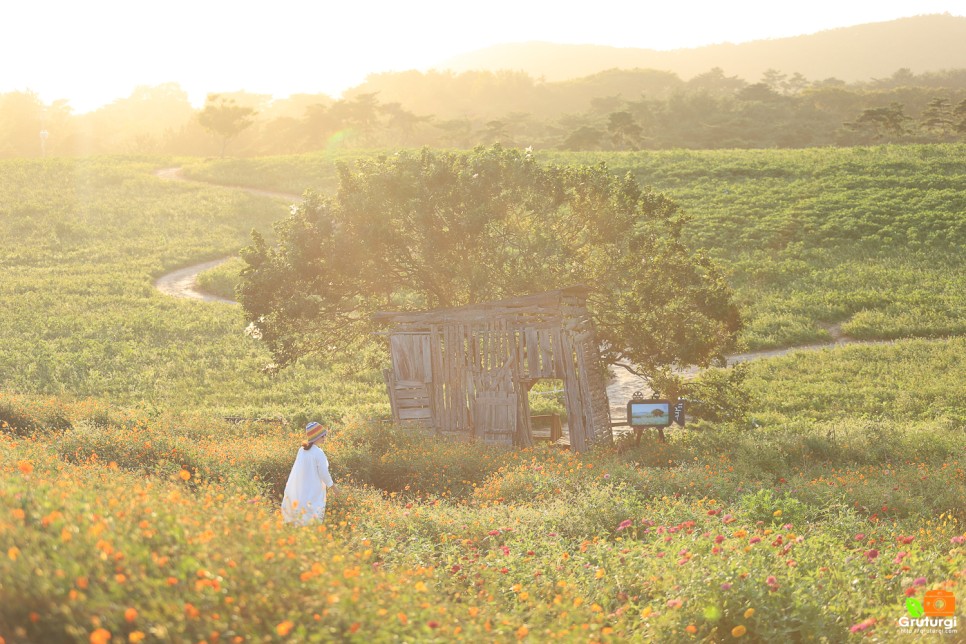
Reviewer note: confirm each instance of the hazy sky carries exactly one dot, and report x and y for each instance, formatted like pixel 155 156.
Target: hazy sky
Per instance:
pixel 95 51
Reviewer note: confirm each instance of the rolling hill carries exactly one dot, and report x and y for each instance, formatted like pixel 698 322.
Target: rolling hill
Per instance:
pixel 862 52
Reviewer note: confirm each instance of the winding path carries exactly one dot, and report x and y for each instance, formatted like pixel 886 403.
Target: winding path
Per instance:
pixel 623 384
pixel 183 282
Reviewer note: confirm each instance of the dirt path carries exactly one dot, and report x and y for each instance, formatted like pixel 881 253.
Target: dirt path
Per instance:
pixel 183 282
pixel 177 174
pixel 623 384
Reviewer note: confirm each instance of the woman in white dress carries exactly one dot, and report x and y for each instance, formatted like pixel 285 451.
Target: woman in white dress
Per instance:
pixel 304 498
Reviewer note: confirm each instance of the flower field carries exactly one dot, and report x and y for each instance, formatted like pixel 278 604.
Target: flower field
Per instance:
pixel 118 524
pixel 132 511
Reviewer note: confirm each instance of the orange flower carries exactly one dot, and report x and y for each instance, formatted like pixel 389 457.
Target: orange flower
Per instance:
pixel 25 467
pixel 135 636
pixel 284 628
pixel 749 613
pixel 474 611
pixel 130 614
pixel 185 475
pixel 403 619
pixel 522 632
pixel 738 630
pixel 18 513
pixel 13 553
pixel 691 628
pixel 101 636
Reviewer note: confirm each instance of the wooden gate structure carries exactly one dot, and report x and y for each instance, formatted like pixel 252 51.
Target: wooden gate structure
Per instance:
pixel 468 370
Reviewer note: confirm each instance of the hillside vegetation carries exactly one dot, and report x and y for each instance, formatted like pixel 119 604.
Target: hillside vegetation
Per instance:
pixel 867 238
pixel 130 510
pixel 814 526
pixel 83 241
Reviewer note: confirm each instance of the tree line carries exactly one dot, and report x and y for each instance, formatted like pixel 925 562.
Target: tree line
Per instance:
pixel 613 110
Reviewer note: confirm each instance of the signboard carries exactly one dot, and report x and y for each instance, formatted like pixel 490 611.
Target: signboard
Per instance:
pixel 654 412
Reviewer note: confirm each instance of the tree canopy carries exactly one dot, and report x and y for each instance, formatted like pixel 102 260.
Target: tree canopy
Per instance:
pixel 225 118
pixel 426 229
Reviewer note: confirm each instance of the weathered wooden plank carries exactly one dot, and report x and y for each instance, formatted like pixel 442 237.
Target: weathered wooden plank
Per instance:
pixel 546 354
pixel 387 376
pixel 419 413
pixel 533 352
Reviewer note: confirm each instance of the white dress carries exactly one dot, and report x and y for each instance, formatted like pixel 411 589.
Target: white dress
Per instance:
pixel 304 498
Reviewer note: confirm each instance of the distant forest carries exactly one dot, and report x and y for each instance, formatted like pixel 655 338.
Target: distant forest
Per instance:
pixel 636 109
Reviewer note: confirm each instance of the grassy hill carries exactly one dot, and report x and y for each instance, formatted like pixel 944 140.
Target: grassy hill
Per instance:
pixel 860 53
pixel 867 238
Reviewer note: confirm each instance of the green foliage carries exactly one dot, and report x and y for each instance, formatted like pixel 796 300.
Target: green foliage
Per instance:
pixel 82 242
pixel 909 380
pixel 222 280
pixel 138 514
pixel 453 229
pixel 807 238
pixel 151 525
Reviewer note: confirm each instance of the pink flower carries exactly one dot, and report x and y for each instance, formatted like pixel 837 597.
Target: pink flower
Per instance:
pixel 919 581
pixel 727 518
pixel 959 540
pixel 754 540
pixel 493 533
pixel 719 538
pixel 675 603
pixel 871 554
pixel 906 540
pixel 771 581
pixel 626 523
pixel 860 537
pixel 726 586
pixel 864 624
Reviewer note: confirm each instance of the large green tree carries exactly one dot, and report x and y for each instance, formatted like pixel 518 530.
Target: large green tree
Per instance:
pixel 438 229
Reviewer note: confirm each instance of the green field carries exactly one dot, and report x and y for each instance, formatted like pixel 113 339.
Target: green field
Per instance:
pixel 869 238
pixel 130 509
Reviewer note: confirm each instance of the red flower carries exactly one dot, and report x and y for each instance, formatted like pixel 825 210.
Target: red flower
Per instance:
pixel 871 554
